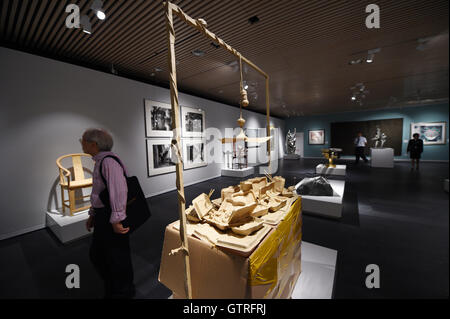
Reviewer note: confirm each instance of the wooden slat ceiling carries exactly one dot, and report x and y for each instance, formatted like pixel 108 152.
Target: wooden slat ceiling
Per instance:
pixel 305 47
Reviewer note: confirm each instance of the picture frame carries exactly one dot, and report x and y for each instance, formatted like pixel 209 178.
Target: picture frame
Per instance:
pixel 432 133
pixel 158 119
pixel 316 137
pixel 194 153
pixel 160 156
pixel 192 122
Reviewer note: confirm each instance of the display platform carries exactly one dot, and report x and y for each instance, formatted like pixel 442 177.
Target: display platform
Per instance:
pixel 217 272
pixel 316 280
pixel 326 206
pixel 446 185
pixel 67 228
pixel 318 272
pixel 339 170
pixel 243 172
pixel 382 157
pixel 291 157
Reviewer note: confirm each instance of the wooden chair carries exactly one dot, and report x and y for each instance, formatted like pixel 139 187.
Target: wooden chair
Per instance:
pixel 72 184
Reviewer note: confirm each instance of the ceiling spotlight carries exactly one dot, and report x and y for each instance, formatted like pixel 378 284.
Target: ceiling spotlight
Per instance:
pixel 97 8
pixel 253 20
pixel 86 23
pixel 353 98
pixel 101 15
pixel 215 45
pixel 198 52
pixel 246 86
pixel 423 43
pixel 371 54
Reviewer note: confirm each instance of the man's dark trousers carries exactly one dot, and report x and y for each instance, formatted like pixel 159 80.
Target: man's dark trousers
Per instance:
pixel 359 152
pixel 111 257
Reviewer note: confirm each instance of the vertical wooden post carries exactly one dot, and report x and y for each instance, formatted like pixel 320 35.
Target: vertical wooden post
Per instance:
pixel 268 122
pixel 176 143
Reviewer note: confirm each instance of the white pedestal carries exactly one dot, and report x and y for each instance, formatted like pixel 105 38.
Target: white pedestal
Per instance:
pixel 291 157
pixel 446 185
pixel 316 280
pixel 338 170
pixel 382 157
pixel 238 172
pixel 67 228
pixel 327 206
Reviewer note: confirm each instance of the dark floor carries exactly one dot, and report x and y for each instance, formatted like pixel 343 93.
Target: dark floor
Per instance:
pixel 394 218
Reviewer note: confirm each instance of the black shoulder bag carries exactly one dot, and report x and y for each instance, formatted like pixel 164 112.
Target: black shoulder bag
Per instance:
pixel 137 209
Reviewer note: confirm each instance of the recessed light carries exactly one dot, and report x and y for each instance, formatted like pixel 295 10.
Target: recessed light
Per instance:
pixel 101 15
pixel 253 20
pixel 246 87
pixel 97 8
pixel 198 52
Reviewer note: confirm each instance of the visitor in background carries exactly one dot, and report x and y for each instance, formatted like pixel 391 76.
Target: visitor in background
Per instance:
pixel 110 248
pixel 415 149
pixel 360 145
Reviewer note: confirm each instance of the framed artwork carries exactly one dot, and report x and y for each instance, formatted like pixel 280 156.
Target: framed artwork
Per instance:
pixel 432 133
pixel 316 137
pixel 158 119
pixel 194 153
pixel 192 122
pixel 160 157
pixel 252 133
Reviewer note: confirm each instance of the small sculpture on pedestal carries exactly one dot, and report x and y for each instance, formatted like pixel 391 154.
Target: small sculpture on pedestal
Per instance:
pixel 380 138
pixel 330 154
pixel 290 142
pixel 291 145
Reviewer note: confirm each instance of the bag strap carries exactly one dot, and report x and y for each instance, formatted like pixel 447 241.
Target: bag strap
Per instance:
pixel 101 168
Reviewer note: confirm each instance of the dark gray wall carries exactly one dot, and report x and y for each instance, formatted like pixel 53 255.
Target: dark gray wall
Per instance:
pixel 45 105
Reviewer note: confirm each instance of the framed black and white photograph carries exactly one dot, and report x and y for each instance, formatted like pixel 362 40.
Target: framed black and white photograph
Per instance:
pixel 194 153
pixel 160 157
pixel 192 122
pixel 158 119
pixel 316 137
pixel 432 133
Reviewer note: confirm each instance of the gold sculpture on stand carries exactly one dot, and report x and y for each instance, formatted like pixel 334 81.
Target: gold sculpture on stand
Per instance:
pixel 331 154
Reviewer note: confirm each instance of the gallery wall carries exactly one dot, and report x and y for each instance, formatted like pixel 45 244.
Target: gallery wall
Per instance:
pixel 45 106
pixel 428 113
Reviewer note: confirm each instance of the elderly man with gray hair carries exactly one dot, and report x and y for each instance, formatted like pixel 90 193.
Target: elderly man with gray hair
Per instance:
pixel 110 248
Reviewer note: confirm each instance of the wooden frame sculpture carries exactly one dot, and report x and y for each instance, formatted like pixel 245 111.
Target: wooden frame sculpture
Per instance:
pixel 200 25
pixel 70 185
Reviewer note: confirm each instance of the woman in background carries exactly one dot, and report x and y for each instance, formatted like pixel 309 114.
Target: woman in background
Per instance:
pixel 415 148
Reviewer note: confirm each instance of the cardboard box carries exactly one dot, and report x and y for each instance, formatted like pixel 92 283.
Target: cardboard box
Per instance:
pixel 271 271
